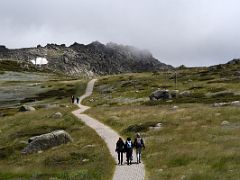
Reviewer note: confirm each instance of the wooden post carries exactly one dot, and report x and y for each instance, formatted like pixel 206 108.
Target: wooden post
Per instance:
pixel 175 80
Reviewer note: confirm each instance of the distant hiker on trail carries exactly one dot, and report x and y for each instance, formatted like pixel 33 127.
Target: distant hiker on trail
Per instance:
pixel 120 150
pixel 138 144
pixel 129 150
pixel 72 99
pixel 77 100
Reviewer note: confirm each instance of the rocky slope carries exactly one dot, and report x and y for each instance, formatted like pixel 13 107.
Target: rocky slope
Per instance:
pixel 86 59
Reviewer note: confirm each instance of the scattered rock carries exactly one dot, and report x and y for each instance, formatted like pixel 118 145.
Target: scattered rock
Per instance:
pixel 174 108
pixel 87 60
pixel 57 115
pixel 25 108
pixel 237 73
pixel 160 94
pixel 63 105
pixel 46 141
pixel 235 103
pixel 234 61
pixel 225 123
pixel 114 118
pixel 89 146
pixel 23 142
pixel 156 127
pixel 219 104
pixel 174 93
pixel 185 94
pixel 85 160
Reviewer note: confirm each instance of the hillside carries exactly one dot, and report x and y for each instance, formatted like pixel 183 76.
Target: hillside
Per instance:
pixel 79 59
pixel 205 118
pixel 194 135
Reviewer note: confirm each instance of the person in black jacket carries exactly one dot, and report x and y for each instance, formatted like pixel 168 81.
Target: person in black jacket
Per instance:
pixel 129 150
pixel 120 150
pixel 138 144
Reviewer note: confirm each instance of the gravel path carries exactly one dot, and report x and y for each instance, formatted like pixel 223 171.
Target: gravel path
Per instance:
pixel 122 172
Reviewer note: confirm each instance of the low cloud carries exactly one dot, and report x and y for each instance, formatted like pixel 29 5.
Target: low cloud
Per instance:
pixel 193 33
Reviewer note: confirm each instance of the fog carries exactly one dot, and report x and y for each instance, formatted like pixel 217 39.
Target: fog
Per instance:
pixel 189 32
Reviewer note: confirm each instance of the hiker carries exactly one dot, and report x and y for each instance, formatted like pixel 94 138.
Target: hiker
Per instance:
pixel 77 100
pixel 72 99
pixel 129 149
pixel 138 144
pixel 120 150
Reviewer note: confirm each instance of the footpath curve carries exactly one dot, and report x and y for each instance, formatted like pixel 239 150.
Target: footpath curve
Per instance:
pixel 122 172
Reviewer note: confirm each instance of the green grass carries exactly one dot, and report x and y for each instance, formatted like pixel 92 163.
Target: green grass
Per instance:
pixel 65 161
pixel 192 143
pixel 192 139
pixel 87 157
pixel 13 65
pixel 141 85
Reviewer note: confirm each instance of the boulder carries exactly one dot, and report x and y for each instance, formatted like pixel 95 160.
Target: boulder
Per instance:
pixel 225 123
pixel 156 127
pixel 220 104
pixel 185 94
pixel 57 115
pixel 160 94
pixel 237 73
pixel 25 108
pixel 235 103
pixel 174 108
pixel 46 141
pixel 174 93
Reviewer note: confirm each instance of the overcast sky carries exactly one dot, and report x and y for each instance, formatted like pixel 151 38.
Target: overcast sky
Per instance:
pixel 189 32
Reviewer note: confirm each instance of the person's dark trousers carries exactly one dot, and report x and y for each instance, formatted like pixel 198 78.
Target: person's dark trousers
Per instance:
pixel 129 157
pixel 120 157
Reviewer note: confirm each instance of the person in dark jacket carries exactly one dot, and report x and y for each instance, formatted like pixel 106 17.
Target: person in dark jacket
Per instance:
pixel 129 150
pixel 138 144
pixel 77 100
pixel 120 150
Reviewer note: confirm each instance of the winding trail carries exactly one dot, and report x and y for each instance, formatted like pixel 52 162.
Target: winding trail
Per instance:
pixel 123 172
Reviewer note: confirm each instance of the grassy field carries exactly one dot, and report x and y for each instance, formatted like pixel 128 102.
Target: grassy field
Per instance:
pixel 87 157
pixel 192 143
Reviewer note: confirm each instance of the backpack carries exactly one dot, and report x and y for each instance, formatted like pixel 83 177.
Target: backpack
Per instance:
pixel 139 142
pixel 129 144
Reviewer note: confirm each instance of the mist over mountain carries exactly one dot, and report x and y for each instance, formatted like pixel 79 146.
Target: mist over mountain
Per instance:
pixel 78 58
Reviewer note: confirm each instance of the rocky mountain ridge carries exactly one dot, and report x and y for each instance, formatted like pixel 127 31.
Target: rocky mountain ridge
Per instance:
pixel 94 58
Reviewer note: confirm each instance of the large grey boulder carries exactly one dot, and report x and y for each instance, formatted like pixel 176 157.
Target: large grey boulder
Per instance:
pixel 160 94
pixel 46 141
pixel 25 108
